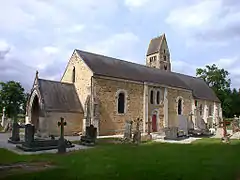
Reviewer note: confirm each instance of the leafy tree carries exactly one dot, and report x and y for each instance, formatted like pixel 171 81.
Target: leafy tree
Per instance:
pixel 235 96
pixel 12 98
pixel 218 80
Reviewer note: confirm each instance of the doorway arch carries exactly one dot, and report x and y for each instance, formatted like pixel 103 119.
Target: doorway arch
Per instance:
pixel 35 112
pixel 155 120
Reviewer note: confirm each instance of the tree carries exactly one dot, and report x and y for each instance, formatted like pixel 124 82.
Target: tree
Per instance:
pixel 12 98
pixel 218 80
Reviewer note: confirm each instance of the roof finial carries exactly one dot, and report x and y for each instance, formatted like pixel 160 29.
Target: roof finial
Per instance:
pixel 37 74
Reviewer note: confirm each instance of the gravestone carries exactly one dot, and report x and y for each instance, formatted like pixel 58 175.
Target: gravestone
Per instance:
pixel 137 133
pixel 128 131
pixel 183 125
pixel 29 133
pixel 171 133
pixel 15 138
pixel 3 123
pixel 61 141
pixel 90 137
pixel 235 124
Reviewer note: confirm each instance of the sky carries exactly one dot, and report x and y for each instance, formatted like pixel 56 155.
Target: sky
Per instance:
pixel 42 34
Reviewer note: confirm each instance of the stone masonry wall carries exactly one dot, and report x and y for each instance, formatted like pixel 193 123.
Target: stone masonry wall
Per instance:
pixel 156 108
pixel 83 77
pixel 106 91
pixel 173 105
pixel 74 123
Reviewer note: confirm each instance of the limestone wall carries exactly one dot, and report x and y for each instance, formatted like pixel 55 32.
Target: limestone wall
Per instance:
pixel 74 123
pixel 111 122
pixel 173 95
pixel 83 77
pixel 155 107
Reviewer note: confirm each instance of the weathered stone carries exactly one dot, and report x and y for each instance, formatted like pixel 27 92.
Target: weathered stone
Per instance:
pixel 90 137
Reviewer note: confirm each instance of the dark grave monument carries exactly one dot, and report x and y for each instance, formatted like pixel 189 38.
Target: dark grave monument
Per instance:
pixel 61 141
pixel 90 136
pixel 15 138
pixel 31 144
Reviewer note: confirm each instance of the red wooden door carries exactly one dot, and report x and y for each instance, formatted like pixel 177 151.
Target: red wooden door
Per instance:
pixel 154 123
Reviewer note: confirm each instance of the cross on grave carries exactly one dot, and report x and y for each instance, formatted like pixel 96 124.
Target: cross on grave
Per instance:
pixel 61 141
pixel 62 123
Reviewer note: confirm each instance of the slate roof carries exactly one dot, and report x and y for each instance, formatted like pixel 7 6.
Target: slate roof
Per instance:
pixel 58 96
pixel 154 45
pixel 112 67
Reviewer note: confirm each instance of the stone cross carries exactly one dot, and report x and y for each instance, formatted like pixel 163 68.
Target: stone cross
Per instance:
pixel 62 124
pixel 61 141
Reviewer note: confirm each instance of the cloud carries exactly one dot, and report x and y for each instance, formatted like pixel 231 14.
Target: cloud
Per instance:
pixel 209 22
pixel 117 45
pixel 229 64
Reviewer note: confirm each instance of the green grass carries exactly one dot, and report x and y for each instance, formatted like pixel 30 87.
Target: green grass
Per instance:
pixel 204 159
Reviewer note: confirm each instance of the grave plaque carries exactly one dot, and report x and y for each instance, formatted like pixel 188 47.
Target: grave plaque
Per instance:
pixel 128 130
pixel 29 133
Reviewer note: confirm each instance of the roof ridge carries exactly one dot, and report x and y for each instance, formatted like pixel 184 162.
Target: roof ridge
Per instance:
pixel 55 81
pixel 117 59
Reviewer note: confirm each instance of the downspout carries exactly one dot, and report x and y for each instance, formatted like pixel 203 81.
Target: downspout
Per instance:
pixel 91 119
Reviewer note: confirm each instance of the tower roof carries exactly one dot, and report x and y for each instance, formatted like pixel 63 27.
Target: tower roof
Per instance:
pixel 155 44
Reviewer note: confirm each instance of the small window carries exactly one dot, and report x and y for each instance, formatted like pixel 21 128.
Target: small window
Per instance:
pixel 210 110
pixel 73 75
pixel 164 50
pixel 165 58
pixel 151 97
pixel 200 109
pixel 158 97
pixel 180 106
pixel 196 103
pixel 165 67
pixel 121 103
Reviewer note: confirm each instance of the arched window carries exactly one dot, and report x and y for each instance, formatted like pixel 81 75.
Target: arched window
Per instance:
pixel 210 110
pixel 165 67
pixel 179 106
pixel 151 97
pixel 200 109
pixel 73 75
pixel 158 97
pixel 121 103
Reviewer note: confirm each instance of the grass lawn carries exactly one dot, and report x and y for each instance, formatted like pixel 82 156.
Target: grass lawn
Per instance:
pixel 204 159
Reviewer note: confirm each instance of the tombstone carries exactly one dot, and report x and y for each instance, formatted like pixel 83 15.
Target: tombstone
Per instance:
pixel 61 141
pixel 137 133
pixel 128 131
pixel 235 124
pixel 183 125
pixel 171 133
pixel 90 137
pixel 29 134
pixel 15 138
pixel 3 123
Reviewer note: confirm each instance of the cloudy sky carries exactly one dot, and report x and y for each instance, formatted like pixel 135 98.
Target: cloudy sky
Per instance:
pixel 42 34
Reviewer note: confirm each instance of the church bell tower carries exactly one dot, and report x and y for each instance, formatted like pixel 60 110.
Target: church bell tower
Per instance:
pixel 158 55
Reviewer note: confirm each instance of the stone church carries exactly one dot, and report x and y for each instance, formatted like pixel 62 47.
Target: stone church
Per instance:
pixel 105 91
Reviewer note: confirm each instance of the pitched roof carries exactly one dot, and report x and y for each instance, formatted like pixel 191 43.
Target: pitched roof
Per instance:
pixel 199 87
pixel 155 45
pixel 58 96
pixel 112 67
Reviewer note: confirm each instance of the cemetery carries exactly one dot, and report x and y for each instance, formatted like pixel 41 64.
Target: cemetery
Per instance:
pixel 152 148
